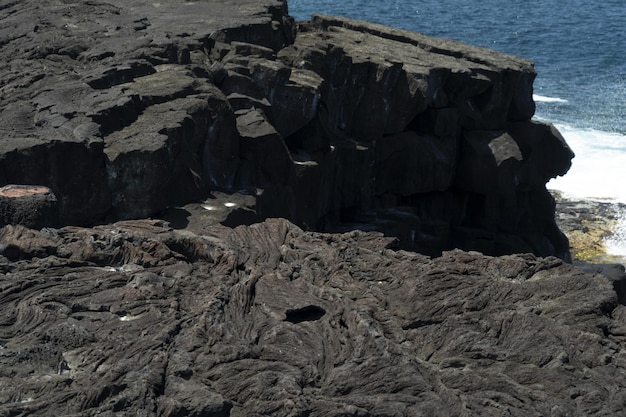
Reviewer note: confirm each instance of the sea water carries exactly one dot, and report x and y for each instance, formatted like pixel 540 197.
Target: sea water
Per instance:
pixel 579 51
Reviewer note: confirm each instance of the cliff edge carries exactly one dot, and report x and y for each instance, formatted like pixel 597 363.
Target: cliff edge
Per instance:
pixel 125 109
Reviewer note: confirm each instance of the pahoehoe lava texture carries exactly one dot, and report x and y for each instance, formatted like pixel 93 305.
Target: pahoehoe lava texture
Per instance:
pixel 136 318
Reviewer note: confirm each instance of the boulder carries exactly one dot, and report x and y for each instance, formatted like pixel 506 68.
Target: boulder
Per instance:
pixel 73 169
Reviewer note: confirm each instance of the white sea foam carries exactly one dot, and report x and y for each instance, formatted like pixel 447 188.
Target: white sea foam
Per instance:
pixel 616 244
pixel 599 169
pixel 545 99
pixel 598 173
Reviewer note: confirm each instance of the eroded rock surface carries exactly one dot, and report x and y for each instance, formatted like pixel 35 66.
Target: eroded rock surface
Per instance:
pixel 126 108
pixel 214 114
pixel 136 318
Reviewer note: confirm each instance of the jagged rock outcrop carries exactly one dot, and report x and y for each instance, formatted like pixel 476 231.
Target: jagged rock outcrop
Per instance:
pixel 440 140
pixel 136 318
pixel 126 108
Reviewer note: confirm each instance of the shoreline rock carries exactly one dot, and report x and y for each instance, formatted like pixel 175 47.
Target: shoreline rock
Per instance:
pixel 588 224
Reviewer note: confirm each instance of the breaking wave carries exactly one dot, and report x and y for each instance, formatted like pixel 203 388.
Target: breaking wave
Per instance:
pixel 545 99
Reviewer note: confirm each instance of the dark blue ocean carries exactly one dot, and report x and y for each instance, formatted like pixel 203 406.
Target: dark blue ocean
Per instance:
pixel 579 51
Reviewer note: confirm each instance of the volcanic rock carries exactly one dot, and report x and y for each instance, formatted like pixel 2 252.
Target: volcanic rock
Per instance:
pixel 589 225
pixel 212 117
pixel 136 318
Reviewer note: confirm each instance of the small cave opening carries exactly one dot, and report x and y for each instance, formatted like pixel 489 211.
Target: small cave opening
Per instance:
pixel 309 143
pixel 308 313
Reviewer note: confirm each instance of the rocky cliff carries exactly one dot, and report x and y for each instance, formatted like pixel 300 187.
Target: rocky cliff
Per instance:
pixel 124 109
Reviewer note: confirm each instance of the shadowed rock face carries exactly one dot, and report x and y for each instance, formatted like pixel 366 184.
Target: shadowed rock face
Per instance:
pixel 429 139
pixel 125 108
pixel 135 318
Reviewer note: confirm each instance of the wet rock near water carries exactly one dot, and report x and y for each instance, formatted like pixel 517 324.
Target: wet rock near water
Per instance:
pixel 590 227
pixel 589 224
pixel 137 318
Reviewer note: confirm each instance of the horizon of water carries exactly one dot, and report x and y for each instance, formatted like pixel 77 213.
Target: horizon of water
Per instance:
pixel 578 49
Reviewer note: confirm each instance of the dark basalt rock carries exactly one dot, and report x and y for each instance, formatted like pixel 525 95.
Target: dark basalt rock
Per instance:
pixel 135 318
pixel 124 109
pixel 86 100
pixel 449 144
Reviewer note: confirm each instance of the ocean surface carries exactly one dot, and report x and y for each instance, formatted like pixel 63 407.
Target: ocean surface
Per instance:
pixel 579 51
